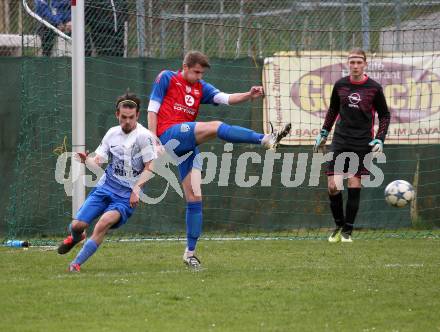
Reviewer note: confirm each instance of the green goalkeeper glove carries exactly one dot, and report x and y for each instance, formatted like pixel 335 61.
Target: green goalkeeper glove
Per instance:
pixel 320 140
pixel 377 146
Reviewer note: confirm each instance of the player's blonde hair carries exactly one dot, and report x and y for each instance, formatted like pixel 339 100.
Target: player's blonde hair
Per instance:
pixel 357 51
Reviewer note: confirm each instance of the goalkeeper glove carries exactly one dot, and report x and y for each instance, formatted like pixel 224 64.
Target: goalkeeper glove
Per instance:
pixel 377 146
pixel 320 140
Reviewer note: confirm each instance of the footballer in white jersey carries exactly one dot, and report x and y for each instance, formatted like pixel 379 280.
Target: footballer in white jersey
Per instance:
pixel 129 150
pixel 126 153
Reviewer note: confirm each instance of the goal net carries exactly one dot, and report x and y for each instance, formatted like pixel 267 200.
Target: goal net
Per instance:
pixel 295 49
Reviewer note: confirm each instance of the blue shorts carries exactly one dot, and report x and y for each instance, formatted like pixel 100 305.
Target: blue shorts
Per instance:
pixel 101 200
pixel 184 134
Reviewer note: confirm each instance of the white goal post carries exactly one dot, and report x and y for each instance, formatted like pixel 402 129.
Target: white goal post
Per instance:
pixel 78 93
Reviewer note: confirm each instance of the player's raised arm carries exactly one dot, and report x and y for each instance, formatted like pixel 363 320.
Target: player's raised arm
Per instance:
pixel 94 163
pixel 100 156
pixel 95 160
pixel 237 98
pixel 101 153
pixel 253 93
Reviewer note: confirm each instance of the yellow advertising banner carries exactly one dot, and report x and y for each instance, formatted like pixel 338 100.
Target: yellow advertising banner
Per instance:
pixel 298 90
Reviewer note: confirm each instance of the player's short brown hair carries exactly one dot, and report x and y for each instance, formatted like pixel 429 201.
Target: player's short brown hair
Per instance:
pixel 129 100
pixel 358 51
pixel 193 58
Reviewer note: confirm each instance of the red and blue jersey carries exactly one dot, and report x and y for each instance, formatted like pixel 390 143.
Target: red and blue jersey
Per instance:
pixel 179 100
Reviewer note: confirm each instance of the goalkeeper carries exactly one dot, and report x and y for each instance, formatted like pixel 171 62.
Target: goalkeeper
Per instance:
pixel 131 149
pixel 354 101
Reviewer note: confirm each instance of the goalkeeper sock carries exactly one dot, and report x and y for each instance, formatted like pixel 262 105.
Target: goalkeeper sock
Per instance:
pixel 337 207
pixel 351 209
pixel 194 219
pixel 236 134
pixel 76 236
pixel 87 250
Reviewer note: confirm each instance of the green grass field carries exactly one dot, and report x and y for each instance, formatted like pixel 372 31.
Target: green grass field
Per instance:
pixel 370 285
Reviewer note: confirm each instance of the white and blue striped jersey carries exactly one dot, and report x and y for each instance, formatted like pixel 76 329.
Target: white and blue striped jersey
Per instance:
pixel 126 154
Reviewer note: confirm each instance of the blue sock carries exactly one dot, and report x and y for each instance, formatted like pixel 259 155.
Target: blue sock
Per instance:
pixel 236 134
pixel 194 218
pixel 76 236
pixel 87 250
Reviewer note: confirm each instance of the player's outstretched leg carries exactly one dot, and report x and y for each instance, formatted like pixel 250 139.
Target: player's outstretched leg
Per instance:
pixel 92 208
pixel 87 250
pixel 271 141
pixel 77 234
pixel 106 221
pixel 237 134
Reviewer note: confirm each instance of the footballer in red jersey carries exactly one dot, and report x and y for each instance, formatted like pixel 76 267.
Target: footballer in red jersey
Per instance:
pixel 172 112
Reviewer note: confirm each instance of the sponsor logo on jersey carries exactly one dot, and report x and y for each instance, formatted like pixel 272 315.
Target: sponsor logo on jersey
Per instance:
pixel 189 100
pixel 354 100
pixel 183 108
pixel 187 89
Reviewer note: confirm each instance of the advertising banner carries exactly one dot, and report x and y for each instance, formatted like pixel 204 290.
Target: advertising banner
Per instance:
pixel 298 90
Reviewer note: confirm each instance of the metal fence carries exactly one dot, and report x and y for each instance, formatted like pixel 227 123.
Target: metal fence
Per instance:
pixel 231 28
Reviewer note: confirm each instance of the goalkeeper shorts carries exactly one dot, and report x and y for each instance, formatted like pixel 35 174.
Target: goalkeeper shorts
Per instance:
pixel 349 161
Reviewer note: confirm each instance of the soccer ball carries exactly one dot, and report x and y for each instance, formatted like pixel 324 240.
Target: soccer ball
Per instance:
pixel 399 193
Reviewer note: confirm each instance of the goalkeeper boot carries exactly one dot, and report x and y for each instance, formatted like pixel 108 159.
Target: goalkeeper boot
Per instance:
pixel 192 262
pixel 68 244
pixel 74 268
pixel 346 237
pixel 271 141
pixel 335 236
